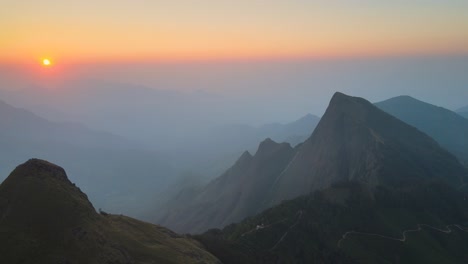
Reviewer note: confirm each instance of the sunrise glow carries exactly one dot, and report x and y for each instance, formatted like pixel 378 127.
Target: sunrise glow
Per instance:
pixel 46 62
pixel 220 29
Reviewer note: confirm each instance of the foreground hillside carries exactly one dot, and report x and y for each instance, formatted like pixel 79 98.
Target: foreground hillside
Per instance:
pixel 101 163
pixel 44 218
pixel 426 222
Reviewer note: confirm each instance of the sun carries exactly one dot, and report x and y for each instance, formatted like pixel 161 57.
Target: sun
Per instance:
pixel 46 62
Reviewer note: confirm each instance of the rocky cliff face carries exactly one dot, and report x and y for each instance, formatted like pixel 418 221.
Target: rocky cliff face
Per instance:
pixel 356 141
pixel 353 142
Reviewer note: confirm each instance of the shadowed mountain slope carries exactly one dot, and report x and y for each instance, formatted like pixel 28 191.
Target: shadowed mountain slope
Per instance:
pixel 464 114
pixel 448 128
pixel 241 191
pixel 426 222
pixel 44 218
pixel 354 141
pixel 462 109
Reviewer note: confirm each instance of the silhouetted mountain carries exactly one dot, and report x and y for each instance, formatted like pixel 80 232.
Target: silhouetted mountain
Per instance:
pixel 47 219
pixel 462 109
pixel 354 141
pixel 102 163
pixel 446 127
pixel 222 145
pixel 16 123
pixel 357 141
pixel 294 133
pixel 426 222
pixel 463 112
pixel 241 191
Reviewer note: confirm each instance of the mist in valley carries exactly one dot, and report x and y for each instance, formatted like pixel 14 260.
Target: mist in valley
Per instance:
pixel 134 135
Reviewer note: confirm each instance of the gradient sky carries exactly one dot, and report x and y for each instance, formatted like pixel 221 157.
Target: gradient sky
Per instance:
pixel 177 30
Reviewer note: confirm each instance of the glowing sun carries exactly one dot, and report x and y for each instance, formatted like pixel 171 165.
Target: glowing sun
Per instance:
pixel 46 62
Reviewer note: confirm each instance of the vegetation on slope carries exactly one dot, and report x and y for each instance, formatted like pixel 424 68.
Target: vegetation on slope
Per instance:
pixel 44 218
pixel 310 229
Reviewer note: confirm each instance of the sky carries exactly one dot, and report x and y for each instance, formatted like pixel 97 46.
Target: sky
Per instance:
pixel 153 30
pixel 239 61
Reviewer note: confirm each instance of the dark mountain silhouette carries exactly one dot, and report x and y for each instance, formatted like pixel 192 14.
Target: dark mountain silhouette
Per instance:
pixel 357 141
pixel 446 127
pixel 294 133
pixel 354 141
pixel 462 109
pixel 102 163
pixel 44 218
pixel 241 191
pixel 223 144
pixel 22 124
pixel 463 112
pixel 425 222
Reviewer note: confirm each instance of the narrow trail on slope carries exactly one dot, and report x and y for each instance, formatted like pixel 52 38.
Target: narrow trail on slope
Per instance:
pixel 299 213
pixel 405 232
pixel 260 227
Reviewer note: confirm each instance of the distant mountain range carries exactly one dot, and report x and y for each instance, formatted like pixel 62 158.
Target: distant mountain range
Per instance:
pixel 47 219
pixel 365 187
pixel 354 141
pixel 294 132
pixel 446 127
pixel 384 193
pixel 102 163
pixel 462 109
pixel 223 144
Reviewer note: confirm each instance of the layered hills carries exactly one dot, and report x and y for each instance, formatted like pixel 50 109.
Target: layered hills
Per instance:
pixel 448 128
pixel 357 141
pixel 464 114
pixel 44 218
pixel 241 191
pixel 354 142
pixel 100 162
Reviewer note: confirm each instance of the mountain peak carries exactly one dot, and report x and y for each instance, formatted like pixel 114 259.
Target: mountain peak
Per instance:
pixel 42 189
pixel 339 97
pixel 404 96
pixel 268 142
pixel 448 128
pixel 244 159
pixel 246 155
pixel 41 168
pixel 356 141
pixel 308 117
pixel 47 219
pixel 269 146
pixel 348 109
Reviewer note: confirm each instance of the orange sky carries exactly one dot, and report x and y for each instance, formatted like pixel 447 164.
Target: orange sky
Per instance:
pixel 74 31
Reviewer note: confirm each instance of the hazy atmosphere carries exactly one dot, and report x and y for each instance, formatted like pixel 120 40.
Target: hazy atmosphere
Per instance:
pixel 274 115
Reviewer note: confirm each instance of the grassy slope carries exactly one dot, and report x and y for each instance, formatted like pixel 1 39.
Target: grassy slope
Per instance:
pixel 329 214
pixel 44 218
